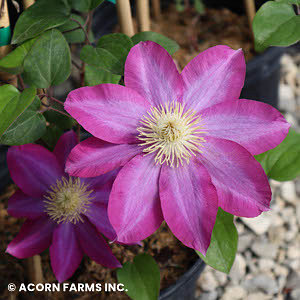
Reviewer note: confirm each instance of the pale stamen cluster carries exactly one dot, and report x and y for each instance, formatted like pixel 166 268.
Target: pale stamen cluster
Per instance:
pixel 67 200
pixel 172 132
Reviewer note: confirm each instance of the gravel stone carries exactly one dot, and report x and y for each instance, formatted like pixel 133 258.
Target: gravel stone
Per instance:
pixel 245 242
pixel 258 225
pixel 262 282
pixel 293 252
pixel 234 293
pixel 209 296
pixel 207 281
pixel 258 296
pixel 238 269
pixel 288 192
pixel 266 264
pixel 295 294
pixel 265 249
pixel 286 98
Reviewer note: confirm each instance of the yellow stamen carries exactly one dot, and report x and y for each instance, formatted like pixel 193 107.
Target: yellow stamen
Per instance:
pixel 173 132
pixel 67 200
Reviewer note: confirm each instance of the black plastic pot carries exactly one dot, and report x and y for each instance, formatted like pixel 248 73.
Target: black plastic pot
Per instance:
pixel 185 286
pixel 234 5
pixel 262 77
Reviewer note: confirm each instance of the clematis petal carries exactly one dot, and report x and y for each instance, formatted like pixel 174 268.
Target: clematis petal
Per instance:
pixel 21 205
pixel 97 212
pixel 242 185
pixel 97 215
pixel 215 75
pixel 189 203
pixel 94 245
pixel 134 207
pixel 108 111
pixel 33 168
pixel 103 182
pixel 94 157
pixel 34 237
pixel 151 71
pixel 64 146
pixel 255 125
pixel 65 252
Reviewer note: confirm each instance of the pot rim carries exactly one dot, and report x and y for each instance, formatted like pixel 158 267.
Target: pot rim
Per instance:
pixel 196 268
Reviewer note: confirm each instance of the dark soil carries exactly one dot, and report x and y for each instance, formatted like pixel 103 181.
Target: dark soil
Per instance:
pixel 171 255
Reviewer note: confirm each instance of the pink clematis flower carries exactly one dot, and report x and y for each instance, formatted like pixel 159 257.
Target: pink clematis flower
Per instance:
pixel 185 141
pixel 63 212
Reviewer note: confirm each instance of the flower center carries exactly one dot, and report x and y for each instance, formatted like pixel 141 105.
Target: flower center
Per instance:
pixel 67 200
pixel 172 132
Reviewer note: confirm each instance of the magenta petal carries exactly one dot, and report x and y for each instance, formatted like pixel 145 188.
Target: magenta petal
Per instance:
pixel 64 146
pixel 103 182
pixel 97 215
pixel 94 245
pixel 34 237
pixel 189 203
pixel 134 207
pixel 65 252
pixel 255 125
pixel 242 185
pixel 108 111
pixel 215 75
pixel 33 168
pixel 151 71
pixel 97 212
pixel 21 205
pixel 94 157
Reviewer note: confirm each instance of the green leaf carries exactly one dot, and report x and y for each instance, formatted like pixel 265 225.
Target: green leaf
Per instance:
pixel 110 53
pixel 283 162
pixel 170 45
pixel 76 36
pixel 296 2
pixel 39 17
pixel 141 278
pixel 118 44
pixel 51 136
pixel 275 24
pixel 13 61
pixel 49 60
pixel 200 7
pixel 61 121
pixel 85 5
pixel 94 76
pixel 13 104
pixel 223 246
pixel 28 128
pixel 100 58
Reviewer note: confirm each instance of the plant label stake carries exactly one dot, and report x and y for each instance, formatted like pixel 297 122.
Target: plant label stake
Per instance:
pixel 28 3
pixel 251 11
pixel 143 15
pixel 156 9
pixel 125 17
pixel 5 36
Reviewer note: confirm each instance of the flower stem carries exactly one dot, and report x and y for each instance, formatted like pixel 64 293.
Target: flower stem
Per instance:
pixel 83 29
pixel 70 30
pixel 21 82
pixel 51 98
pixel 76 64
pixel 58 111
